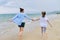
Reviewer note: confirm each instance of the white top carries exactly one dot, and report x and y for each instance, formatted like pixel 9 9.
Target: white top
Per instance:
pixel 43 21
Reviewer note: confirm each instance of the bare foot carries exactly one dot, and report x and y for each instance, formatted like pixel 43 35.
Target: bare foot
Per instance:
pixel 20 37
pixel 20 34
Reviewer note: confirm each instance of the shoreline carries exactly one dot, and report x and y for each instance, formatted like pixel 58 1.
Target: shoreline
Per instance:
pixel 11 30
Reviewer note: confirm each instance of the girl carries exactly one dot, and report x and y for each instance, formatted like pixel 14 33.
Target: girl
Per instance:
pixel 43 22
pixel 19 20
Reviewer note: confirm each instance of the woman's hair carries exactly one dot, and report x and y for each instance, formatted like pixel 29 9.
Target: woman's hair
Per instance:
pixel 21 9
pixel 43 13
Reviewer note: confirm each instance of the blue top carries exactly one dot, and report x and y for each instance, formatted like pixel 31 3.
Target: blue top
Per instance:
pixel 19 18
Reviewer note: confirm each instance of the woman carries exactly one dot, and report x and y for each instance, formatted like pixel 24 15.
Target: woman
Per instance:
pixel 19 20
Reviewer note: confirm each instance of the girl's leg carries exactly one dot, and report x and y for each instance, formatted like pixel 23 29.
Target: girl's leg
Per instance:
pixel 43 30
pixel 42 33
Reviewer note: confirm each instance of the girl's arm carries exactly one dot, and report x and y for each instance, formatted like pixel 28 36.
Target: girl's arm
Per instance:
pixel 49 23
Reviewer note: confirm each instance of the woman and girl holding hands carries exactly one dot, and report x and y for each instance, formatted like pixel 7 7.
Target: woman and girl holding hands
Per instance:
pixel 18 19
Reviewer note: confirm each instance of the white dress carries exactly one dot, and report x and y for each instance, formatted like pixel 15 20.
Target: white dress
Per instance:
pixel 43 21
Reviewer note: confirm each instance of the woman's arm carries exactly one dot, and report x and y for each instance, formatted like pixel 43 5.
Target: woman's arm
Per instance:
pixel 14 17
pixel 11 20
pixel 37 19
pixel 28 17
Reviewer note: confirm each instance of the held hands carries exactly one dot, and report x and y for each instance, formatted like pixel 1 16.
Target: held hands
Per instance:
pixel 35 19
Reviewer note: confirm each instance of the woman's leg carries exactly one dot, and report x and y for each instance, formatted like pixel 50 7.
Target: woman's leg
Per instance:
pixel 20 37
pixel 21 28
pixel 21 31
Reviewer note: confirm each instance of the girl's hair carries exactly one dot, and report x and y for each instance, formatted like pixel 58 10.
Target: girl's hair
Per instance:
pixel 21 9
pixel 43 14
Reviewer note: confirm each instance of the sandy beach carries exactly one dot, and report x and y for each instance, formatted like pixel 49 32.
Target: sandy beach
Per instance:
pixel 10 31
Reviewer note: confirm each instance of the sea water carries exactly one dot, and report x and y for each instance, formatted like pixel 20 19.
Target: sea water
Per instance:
pixel 6 17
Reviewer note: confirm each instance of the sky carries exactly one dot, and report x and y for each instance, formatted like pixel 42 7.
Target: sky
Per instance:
pixel 12 6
